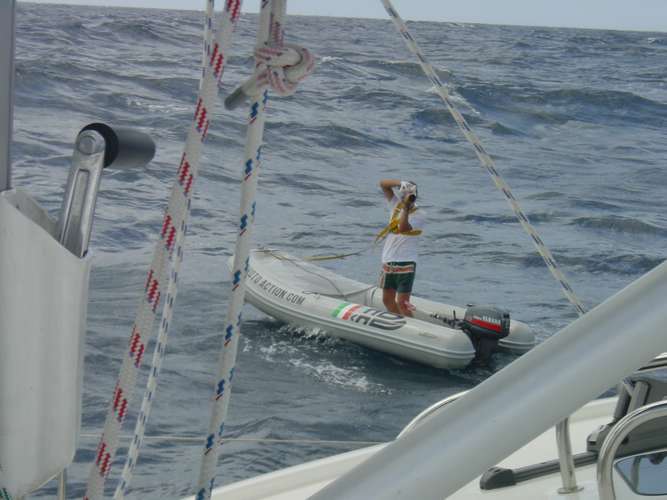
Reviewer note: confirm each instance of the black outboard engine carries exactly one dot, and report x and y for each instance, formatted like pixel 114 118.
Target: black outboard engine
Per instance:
pixel 485 325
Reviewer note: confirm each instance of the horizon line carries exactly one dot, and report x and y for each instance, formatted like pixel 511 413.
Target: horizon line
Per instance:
pixel 637 30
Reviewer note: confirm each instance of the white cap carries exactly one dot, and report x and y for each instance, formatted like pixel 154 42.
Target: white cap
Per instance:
pixel 407 188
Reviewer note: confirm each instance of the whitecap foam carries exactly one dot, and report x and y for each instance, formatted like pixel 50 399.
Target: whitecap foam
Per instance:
pixel 456 99
pixel 326 59
pixel 331 374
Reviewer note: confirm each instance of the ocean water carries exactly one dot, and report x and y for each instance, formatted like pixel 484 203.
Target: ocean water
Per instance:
pixel 575 119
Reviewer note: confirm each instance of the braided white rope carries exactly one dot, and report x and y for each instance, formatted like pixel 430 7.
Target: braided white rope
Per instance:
pixel 270 33
pixel 208 37
pixel 283 67
pixel 165 261
pixel 223 39
pixel 227 359
pixel 486 160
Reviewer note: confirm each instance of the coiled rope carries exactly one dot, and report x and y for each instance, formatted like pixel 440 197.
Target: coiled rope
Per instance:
pixel 165 264
pixel 269 71
pixel 486 160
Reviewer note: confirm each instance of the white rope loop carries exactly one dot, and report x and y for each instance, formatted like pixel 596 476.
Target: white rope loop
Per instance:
pixel 279 66
pixel 164 266
pixel 282 68
pixel 484 158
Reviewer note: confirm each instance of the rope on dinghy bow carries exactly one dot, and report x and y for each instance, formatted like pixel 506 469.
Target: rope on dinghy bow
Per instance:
pixel 165 265
pixel 276 68
pixel 484 158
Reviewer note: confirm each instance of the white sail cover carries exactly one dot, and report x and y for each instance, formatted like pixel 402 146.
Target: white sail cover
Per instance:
pixel 43 299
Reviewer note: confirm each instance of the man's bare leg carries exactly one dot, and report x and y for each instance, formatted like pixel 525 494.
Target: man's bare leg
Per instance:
pixel 403 304
pixel 389 301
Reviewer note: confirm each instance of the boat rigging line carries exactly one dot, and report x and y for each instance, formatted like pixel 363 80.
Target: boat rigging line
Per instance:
pixel 562 432
pixel 485 159
pixel 279 67
pixel 165 265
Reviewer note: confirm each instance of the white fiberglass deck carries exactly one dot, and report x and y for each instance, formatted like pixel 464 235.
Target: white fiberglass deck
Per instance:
pixel 302 481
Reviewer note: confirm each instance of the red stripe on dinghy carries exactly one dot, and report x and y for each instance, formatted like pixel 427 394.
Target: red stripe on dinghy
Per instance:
pixel 348 312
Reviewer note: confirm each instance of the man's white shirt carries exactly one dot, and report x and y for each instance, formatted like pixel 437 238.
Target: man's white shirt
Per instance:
pixel 400 247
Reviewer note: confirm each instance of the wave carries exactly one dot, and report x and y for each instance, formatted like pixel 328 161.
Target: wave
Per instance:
pixel 404 68
pixel 623 264
pixel 562 105
pixel 441 116
pixel 328 136
pixel 620 224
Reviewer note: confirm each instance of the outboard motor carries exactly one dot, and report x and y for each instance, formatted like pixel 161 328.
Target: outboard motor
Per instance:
pixel 485 325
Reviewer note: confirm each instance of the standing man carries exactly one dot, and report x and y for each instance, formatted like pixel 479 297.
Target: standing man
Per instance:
pixel 399 255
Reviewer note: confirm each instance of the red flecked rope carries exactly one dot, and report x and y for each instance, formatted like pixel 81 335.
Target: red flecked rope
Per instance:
pixel 163 272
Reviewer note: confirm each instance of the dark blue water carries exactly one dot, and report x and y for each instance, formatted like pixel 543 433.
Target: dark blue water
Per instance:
pixel 574 118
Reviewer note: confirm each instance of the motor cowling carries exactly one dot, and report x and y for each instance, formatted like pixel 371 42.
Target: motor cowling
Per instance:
pixel 485 325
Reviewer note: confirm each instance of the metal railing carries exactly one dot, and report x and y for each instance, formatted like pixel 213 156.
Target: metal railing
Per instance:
pixel 616 436
pixel 565 458
pixel 7 37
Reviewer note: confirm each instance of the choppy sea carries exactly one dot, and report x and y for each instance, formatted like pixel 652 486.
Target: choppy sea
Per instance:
pixel 576 120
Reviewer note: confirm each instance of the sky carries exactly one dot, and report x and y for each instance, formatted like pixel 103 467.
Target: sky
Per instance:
pixel 605 14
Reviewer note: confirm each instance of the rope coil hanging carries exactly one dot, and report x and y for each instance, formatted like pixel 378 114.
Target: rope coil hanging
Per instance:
pixel 269 35
pixel 164 266
pixel 484 158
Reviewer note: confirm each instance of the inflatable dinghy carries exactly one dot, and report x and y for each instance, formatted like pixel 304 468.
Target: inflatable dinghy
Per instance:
pixel 443 336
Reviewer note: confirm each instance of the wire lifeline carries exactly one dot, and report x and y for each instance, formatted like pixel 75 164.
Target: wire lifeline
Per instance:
pixel 197 440
pixel 223 43
pixel 172 237
pixel 485 159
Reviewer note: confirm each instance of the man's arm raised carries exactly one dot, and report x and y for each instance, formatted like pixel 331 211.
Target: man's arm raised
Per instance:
pixel 387 185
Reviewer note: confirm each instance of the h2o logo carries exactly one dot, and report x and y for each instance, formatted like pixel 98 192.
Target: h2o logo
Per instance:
pixel 375 318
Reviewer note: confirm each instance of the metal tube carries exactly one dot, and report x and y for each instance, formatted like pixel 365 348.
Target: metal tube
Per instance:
pixel 62 485
pixel 7 41
pixel 600 348
pixel 614 439
pixel 565 458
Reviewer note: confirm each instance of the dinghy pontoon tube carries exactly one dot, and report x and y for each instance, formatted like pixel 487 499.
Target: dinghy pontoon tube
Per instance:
pixel 301 293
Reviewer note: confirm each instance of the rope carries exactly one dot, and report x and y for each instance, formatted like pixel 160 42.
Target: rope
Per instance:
pixel 208 37
pixel 165 264
pixel 296 262
pixel 394 222
pixel 486 160
pixel 223 39
pixel 270 35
